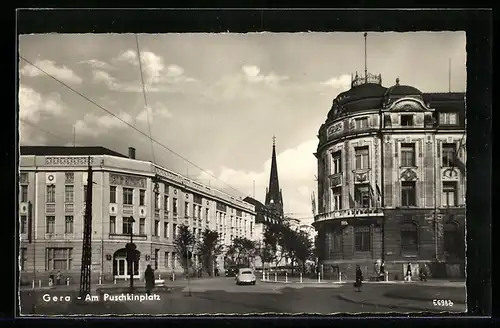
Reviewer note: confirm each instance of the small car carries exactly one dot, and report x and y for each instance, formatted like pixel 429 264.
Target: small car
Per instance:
pixel 245 276
pixel 231 272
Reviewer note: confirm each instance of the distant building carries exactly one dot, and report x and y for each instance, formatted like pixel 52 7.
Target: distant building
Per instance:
pixel 391 179
pixel 54 181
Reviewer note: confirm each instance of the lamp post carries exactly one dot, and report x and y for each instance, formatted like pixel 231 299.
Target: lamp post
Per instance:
pixel 187 266
pixel 131 255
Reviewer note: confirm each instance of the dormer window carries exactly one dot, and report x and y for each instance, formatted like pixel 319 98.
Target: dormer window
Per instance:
pixel 448 118
pixel 406 120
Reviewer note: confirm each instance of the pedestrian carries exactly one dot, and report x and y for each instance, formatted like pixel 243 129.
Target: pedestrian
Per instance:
pixel 423 274
pixel 359 278
pixel 149 277
pixel 382 270
pixel 408 272
pixel 58 278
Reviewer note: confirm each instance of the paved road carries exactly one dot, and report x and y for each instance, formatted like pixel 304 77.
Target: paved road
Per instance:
pixel 216 296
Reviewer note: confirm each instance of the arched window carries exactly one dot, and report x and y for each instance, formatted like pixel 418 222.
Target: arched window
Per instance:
pixel 451 240
pixel 409 238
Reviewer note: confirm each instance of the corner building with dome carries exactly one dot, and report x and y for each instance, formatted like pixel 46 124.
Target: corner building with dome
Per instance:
pixel 392 181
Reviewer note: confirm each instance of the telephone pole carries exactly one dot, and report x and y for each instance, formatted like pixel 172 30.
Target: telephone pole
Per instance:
pixel 87 238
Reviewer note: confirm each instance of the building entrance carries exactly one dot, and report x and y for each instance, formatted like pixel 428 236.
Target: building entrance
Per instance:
pixel 121 268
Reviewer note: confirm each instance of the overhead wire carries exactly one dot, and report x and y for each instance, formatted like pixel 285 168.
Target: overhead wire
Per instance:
pixel 129 125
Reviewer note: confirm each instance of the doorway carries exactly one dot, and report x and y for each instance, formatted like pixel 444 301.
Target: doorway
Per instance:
pixel 121 268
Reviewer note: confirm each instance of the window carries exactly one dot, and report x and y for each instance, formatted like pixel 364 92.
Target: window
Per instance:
pixel 337 242
pixel 174 230
pixel 199 212
pixel 23 258
pixel 142 196
pixel 85 193
pixel 165 229
pixel 51 194
pixel 126 226
pixel 406 120
pixel 186 209
pixel 167 260
pixel 68 224
pixel 194 211
pixel 69 177
pixel 362 123
pixel 362 239
pixel 361 154
pixel 174 259
pixel 448 118
pixel 58 259
pixel 408 194
pixel 336 163
pixel 166 188
pixel 112 194
pixel 174 209
pixel 112 224
pixel 449 196
pixel 362 195
pixel 251 228
pixel 24 224
pixel 157 201
pixel 194 232
pixel 50 222
pixel 69 194
pixel 128 196
pixel 336 199
pixel 450 238
pixel 448 154
pixel 407 154
pixel 165 204
pixel 24 193
pixel 409 239
pixel 157 255
pixel 142 226
pixel 157 228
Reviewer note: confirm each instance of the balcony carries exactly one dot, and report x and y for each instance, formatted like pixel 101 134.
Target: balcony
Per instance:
pixel 69 207
pixel 349 213
pixel 335 180
pixel 121 236
pixel 50 208
pixel 128 209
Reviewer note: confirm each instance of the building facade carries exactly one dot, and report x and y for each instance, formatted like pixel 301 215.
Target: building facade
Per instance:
pixel 53 180
pixel 391 180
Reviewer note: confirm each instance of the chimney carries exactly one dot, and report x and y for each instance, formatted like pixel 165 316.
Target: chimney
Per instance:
pixel 131 152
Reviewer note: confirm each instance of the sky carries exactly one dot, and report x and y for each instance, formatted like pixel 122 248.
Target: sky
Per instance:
pixel 214 101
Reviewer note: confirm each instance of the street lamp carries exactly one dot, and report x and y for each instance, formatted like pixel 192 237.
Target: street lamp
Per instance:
pixel 187 266
pixel 131 252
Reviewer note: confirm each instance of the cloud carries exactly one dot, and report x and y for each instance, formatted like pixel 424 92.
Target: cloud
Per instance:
pixel 106 78
pixel 253 74
pixel 94 63
pixel 32 105
pixel 342 82
pixel 62 73
pixel 159 112
pixel 94 125
pixel 296 170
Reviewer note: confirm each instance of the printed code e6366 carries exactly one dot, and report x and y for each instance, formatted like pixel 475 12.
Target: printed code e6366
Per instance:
pixel 442 303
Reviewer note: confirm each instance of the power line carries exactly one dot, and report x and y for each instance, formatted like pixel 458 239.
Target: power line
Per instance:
pixel 145 98
pixel 128 124
pixel 43 130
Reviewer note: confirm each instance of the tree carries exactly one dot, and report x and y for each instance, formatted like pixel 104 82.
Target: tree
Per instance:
pixel 241 251
pixel 303 247
pixel 184 245
pixel 209 248
pixel 319 248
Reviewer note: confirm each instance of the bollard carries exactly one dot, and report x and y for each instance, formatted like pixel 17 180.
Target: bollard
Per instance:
pixel 301 277
pixel 263 275
pixel 387 276
pixel 275 276
pixel 39 283
pixel 286 276
pixel 100 280
pixel 114 281
pixel 67 281
pixel 319 277
pixel 173 276
pixel 33 284
pixel 340 276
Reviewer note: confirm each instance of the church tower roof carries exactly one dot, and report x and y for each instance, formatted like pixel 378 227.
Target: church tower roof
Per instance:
pixel 274 198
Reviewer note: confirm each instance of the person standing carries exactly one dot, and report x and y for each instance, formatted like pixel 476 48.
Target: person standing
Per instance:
pixel 408 272
pixel 149 277
pixel 382 270
pixel 58 278
pixel 359 278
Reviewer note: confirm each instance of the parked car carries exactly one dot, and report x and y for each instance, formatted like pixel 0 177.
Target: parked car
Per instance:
pixel 231 271
pixel 245 276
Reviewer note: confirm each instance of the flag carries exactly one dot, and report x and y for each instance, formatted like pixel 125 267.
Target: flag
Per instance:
pixel 379 194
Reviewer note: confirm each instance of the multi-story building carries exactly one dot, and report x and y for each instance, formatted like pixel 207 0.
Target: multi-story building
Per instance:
pixel 53 183
pixel 391 179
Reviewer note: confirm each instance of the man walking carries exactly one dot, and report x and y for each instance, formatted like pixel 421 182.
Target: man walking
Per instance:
pixel 149 277
pixel 408 272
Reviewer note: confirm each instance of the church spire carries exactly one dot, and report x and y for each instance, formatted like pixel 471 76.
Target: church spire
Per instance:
pixel 274 199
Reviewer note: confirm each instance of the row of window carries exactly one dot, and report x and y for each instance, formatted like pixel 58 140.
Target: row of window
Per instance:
pixel 365 197
pixel 407 120
pixel 408 237
pixel 408 157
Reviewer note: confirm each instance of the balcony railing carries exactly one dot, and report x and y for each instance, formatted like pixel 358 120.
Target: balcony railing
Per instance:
pixel 50 208
pixel 69 207
pixel 128 209
pixel 349 213
pixel 336 180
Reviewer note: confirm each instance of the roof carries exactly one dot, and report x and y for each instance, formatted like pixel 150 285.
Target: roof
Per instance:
pixel 403 90
pixel 67 151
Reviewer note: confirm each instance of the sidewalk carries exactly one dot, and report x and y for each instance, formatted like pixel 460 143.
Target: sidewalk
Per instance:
pixel 402 299
pixel 433 283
